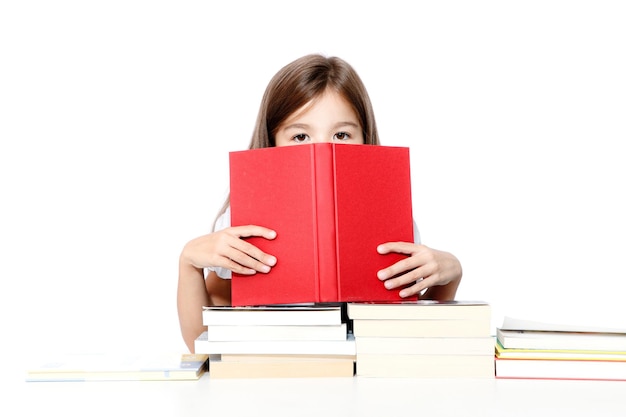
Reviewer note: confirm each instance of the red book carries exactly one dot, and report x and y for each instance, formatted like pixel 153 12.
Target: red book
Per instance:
pixel 331 206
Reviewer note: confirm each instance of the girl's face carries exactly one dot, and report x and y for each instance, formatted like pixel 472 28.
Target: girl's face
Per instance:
pixel 328 118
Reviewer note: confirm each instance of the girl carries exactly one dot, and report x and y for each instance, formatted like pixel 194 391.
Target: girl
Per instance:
pixel 313 99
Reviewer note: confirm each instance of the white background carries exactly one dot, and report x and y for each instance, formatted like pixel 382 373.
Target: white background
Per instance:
pixel 116 119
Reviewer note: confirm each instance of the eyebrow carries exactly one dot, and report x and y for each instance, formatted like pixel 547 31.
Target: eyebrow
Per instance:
pixel 306 126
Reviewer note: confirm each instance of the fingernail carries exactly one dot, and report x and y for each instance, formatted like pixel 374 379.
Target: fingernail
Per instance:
pixel 271 261
pixel 381 275
pixel 265 269
pixel 388 285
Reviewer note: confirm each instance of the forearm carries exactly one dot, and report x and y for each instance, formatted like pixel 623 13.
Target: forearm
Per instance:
pixel 191 297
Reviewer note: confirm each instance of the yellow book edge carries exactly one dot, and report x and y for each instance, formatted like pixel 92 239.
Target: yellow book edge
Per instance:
pixel 558 354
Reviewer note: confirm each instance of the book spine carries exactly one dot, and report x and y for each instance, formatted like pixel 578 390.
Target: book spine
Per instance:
pixel 326 244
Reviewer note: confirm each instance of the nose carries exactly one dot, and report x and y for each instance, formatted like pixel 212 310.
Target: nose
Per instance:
pixel 321 140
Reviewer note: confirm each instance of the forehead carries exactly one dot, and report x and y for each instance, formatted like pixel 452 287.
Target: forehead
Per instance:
pixel 330 105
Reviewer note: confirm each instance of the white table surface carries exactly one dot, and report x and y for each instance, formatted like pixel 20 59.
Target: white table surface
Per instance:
pixel 356 396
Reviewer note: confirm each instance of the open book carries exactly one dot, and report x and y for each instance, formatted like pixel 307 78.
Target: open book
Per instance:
pixel 331 206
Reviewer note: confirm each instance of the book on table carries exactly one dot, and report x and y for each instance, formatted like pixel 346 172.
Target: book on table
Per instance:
pixel 421 319
pixel 559 354
pixel 278 358
pixel 378 345
pixel 276 341
pixel 420 328
pixel 512 323
pixel 612 370
pixel 276 366
pixel 276 347
pixel 425 366
pixel 259 357
pixel 423 339
pixel 523 334
pixel 320 314
pixel 276 332
pixel 331 206
pixel 425 357
pixel 535 350
pixel 117 367
pixel 530 339
pixel 420 309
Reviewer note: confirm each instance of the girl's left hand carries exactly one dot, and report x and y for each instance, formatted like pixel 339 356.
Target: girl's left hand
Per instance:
pixel 424 267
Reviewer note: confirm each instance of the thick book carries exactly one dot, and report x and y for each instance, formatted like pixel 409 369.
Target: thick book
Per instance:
pixel 263 332
pixel 511 323
pixel 425 345
pixel 421 309
pixel 250 357
pixel 276 315
pixel 118 367
pixel 560 369
pixel 331 205
pixel 421 328
pixel 562 340
pixel 287 366
pixel 276 347
pixel 425 366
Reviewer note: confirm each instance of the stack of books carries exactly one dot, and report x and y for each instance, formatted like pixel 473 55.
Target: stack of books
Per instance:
pixel 277 341
pixel 424 339
pixel 532 350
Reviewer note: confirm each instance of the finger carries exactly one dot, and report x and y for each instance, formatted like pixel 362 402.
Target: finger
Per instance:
pixel 429 279
pixel 254 253
pixel 240 263
pixel 406 248
pixel 246 261
pixel 249 256
pixel 246 254
pixel 236 268
pixel 398 268
pixel 415 289
pixel 403 280
pixel 252 230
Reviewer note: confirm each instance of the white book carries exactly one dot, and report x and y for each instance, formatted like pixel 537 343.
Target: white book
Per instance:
pixel 426 345
pixel 279 315
pixel 530 339
pixel 284 368
pixel 561 369
pixel 287 332
pixel 420 310
pixel 154 366
pixel 511 323
pixel 227 357
pixel 426 366
pixel 276 347
pixel 421 328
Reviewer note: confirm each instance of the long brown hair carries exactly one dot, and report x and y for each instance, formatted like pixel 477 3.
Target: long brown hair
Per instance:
pixel 301 81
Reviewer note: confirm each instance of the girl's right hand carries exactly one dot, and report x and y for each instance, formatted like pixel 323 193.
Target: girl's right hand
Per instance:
pixel 227 249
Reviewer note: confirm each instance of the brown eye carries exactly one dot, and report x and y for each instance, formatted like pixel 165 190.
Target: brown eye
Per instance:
pixel 341 136
pixel 302 137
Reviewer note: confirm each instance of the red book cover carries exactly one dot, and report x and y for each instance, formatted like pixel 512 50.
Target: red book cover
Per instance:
pixel 331 206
